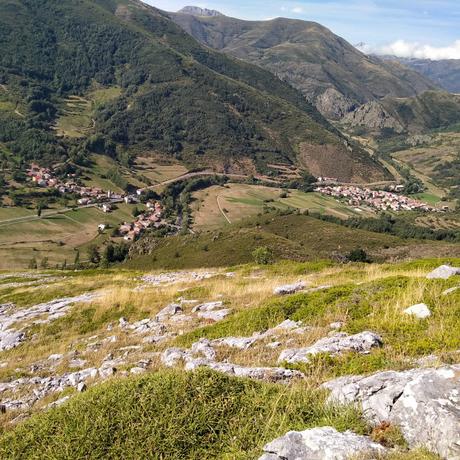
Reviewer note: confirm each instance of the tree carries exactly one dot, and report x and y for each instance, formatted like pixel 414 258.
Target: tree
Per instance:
pixel 76 261
pixel 33 263
pixel 263 255
pixel 358 255
pixel 44 263
pixel 93 254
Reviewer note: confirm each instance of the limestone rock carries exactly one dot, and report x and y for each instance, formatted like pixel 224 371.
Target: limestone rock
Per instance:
pixel 323 443
pixel 420 311
pixel 214 315
pixel 208 306
pixel 443 272
pixel 167 312
pixel 290 288
pixel 11 339
pixel 424 403
pixel 360 343
pixel 243 343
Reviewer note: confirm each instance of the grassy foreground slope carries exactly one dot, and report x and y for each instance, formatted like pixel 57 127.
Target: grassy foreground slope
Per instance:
pixel 171 414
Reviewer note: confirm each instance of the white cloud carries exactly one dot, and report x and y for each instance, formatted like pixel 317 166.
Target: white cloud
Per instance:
pixel 402 48
pixel 297 10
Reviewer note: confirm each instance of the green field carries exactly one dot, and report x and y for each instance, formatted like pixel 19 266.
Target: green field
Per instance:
pixel 55 237
pixel 239 201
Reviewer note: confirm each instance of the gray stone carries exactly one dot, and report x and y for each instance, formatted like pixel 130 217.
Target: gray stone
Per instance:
pixel 204 347
pixel 269 374
pixel 243 343
pixel 290 288
pixel 324 443
pixel 450 290
pixel 11 339
pixel 167 312
pixel 137 370
pixel 215 315
pixel 420 311
pixel 443 272
pixel 81 387
pixel 424 403
pixel 209 306
pixel 360 343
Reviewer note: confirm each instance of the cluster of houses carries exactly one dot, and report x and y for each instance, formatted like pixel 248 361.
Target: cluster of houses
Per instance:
pixel 378 199
pixel 152 217
pixel 44 177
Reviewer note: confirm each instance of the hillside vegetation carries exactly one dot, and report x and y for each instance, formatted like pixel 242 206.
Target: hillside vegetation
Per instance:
pixel 291 236
pixel 173 95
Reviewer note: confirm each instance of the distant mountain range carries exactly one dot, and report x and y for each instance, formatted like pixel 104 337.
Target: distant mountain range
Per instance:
pixel 330 72
pixel 445 73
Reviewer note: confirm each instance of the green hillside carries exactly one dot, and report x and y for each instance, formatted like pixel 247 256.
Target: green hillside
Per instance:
pixel 324 67
pixel 174 95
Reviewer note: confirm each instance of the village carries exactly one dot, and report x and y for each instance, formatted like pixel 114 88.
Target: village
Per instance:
pixel 377 199
pixel 104 200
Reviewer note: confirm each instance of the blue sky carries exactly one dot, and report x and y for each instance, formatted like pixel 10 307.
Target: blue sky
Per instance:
pixel 429 27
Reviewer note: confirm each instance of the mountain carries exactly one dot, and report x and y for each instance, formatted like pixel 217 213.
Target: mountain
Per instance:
pixel 169 94
pixel 416 115
pixel 445 73
pixel 329 71
pixel 197 11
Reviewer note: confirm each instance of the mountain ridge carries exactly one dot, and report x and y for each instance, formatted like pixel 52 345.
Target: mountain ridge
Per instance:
pixel 308 56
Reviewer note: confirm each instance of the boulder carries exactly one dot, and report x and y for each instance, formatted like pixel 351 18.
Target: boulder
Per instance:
pixel 268 374
pixel 243 343
pixel 443 272
pixel 324 443
pixel 424 403
pixel 167 312
pixel 290 288
pixel 209 306
pixel 11 339
pixel 215 315
pixel 420 311
pixel 340 342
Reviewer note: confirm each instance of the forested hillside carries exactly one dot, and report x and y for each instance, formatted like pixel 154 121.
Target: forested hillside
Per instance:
pixel 174 95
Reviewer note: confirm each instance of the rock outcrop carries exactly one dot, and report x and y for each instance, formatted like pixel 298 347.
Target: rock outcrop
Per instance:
pixel 290 288
pixel 340 342
pixel 323 443
pixel 374 116
pixel 334 105
pixel 424 403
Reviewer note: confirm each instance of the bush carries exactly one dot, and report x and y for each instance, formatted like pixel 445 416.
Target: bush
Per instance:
pixel 358 255
pixel 263 255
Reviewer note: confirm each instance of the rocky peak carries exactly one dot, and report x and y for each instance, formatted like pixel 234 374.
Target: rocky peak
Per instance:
pixel 197 11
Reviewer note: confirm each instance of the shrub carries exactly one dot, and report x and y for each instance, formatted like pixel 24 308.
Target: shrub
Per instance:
pixel 263 255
